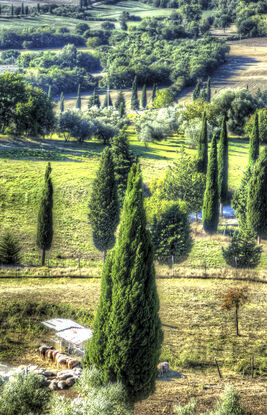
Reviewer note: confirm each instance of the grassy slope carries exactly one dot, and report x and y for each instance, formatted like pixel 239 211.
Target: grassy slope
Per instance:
pixel 75 167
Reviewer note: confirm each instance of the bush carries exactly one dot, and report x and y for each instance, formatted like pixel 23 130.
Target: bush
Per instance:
pixel 9 250
pixel 229 403
pixel 26 394
pixel 189 409
pixel 242 251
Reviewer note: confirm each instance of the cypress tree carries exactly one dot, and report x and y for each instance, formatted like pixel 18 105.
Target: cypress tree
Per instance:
pixel 94 100
pixel 239 201
pixel 45 218
pixel 22 9
pixel 144 97
pixel 122 160
pixel 120 100
pixel 208 93
pixel 210 210
pixel 38 8
pixel 107 101
pixel 154 91
pixel 49 92
pixel 203 146
pixel 61 102
pixel 78 99
pixel 223 165
pixel 12 10
pixel 257 197
pixel 9 249
pixel 122 110
pixel 131 337
pixel 104 206
pixel 196 92
pixel 134 98
pixel 254 142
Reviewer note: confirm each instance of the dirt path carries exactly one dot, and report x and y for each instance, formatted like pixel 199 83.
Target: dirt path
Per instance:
pixel 246 65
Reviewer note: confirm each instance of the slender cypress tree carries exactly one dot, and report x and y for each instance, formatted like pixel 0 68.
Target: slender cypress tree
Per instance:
pixel 254 142
pixel 49 93
pixel 223 165
pixel 239 201
pixel 134 98
pixel 203 146
pixel 144 97
pixel 154 91
pixel 38 8
pixel 61 102
pixel 45 217
pixel 196 92
pixel 210 210
pixel 94 100
pixel 22 9
pixel 104 206
pixel 122 109
pixel 128 347
pixel 208 93
pixel 257 197
pixel 78 99
pixel 122 160
pixel 107 101
pixel 120 100
pixel 12 10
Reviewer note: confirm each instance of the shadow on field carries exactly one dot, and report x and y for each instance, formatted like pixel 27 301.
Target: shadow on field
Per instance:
pixel 171 375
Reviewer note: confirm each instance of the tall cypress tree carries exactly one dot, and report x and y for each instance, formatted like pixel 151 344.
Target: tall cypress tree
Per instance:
pixel 122 160
pixel 144 97
pixel 203 146
pixel 104 206
pixel 120 99
pixel 134 98
pixel 239 201
pixel 254 142
pixel 154 91
pixel 45 216
pixel 257 197
pixel 107 101
pixel 223 165
pixel 196 92
pixel 22 9
pixel 128 347
pixel 61 102
pixel 208 92
pixel 210 210
pixel 94 100
pixel 78 99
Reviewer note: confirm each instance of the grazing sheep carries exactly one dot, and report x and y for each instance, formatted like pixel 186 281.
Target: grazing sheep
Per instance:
pixel 163 368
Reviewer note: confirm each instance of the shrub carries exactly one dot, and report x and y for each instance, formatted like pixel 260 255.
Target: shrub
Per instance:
pixel 189 409
pixel 9 250
pixel 24 395
pixel 242 251
pixel 229 403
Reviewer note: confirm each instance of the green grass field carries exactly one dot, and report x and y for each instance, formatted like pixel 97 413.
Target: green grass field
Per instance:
pixel 74 167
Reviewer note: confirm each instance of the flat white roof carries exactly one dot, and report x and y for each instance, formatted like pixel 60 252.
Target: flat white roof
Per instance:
pixel 69 330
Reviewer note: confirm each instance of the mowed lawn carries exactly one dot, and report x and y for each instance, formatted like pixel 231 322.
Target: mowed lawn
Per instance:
pixel 74 167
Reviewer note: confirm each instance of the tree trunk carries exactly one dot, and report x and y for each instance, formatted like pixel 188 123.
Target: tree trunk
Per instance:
pixel 43 257
pixel 236 320
pixel 221 209
pixel 104 256
pixel 259 239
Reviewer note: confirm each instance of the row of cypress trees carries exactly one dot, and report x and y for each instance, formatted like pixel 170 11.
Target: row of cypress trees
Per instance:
pixel 135 105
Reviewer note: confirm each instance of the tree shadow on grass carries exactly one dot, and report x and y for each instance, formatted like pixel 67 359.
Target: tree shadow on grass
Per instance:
pixel 171 375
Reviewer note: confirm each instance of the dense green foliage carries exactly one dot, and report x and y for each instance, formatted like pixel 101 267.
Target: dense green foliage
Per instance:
pixel 134 97
pixel 171 234
pixel 210 210
pixel 203 147
pixel 23 109
pixel 257 197
pixel 128 336
pixel 223 163
pixel 103 206
pixel 254 141
pixel 242 251
pixel 262 114
pixel 45 216
pixel 25 395
pixel 239 201
pixel 9 249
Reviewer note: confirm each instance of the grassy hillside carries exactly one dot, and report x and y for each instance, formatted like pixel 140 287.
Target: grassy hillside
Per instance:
pixel 74 167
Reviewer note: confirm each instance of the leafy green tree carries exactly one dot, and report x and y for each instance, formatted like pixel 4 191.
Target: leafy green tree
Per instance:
pixel 9 249
pixel 223 165
pixel 171 234
pixel 210 210
pixel 184 182
pixel 242 251
pixel 257 197
pixel 129 343
pixel 122 161
pixel 103 206
pixel 144 97
pixel 164 98
pixel 202 148
pixel 45 217
pixel 254 142
pixel 234 298
pixel 78 99
pixel 134 97
pixel 61 102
